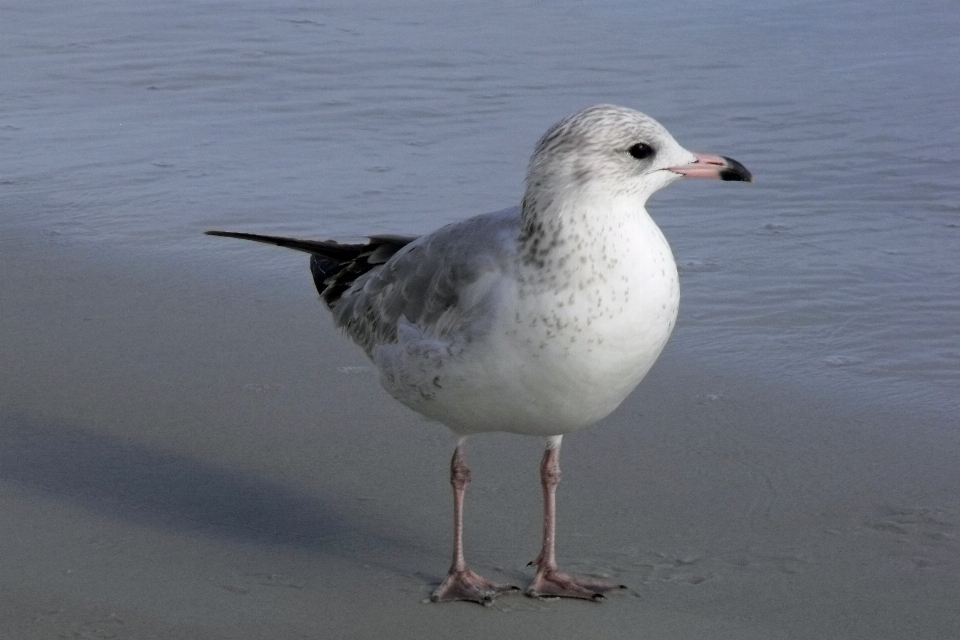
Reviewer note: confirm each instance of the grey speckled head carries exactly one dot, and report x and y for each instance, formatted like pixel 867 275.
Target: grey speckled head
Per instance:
pixel 616 149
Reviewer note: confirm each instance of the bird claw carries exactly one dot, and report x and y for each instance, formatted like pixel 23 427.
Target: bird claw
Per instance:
pixel 468 586
pixel 550 583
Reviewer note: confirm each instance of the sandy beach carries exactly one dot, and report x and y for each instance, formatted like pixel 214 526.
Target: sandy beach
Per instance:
pixel 190 450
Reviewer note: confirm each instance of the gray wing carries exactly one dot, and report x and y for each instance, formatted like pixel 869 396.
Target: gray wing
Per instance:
pixel 438 282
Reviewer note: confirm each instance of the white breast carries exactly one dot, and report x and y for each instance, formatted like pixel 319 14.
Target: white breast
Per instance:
pixel 563 353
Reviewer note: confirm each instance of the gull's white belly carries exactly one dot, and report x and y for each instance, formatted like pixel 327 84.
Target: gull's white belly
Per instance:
pixel 554 361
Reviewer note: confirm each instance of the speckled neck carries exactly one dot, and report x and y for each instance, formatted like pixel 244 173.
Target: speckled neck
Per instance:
pixel 539 235
pixel 578 240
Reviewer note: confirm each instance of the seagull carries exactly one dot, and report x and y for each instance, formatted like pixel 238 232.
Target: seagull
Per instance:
pixel 537 320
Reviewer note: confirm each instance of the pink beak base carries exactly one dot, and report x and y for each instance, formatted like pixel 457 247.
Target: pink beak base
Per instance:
pixel 716 167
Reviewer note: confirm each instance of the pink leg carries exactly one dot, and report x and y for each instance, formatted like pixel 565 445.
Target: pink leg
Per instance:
pixel 549 581
pixel 461 583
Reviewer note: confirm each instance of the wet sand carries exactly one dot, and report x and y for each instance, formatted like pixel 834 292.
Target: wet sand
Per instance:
pixel 189 450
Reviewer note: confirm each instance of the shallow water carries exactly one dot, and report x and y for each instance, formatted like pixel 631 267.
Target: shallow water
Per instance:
pixel 128 128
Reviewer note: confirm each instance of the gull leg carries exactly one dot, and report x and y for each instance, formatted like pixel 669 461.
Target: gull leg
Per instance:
pixel 549 581
pixel 461 583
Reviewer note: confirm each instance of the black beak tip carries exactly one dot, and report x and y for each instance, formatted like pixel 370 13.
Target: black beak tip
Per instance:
pixel 735 172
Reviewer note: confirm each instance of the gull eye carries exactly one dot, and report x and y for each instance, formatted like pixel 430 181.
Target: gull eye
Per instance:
pixel 641 151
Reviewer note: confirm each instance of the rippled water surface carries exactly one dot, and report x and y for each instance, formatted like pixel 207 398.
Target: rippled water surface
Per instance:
pixel 131 127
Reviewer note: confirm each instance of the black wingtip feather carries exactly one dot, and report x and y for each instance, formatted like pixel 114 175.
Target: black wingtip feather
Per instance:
pixel 334 266
pixel 328 248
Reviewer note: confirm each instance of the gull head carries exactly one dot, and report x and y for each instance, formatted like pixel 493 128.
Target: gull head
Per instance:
pixel 618 152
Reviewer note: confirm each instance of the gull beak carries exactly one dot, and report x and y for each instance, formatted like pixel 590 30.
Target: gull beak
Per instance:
pixel 718 167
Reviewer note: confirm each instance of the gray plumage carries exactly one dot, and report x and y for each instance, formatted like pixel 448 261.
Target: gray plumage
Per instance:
pixel 369 287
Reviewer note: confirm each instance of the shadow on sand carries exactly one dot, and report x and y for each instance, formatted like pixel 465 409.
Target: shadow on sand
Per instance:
pixel 134 482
